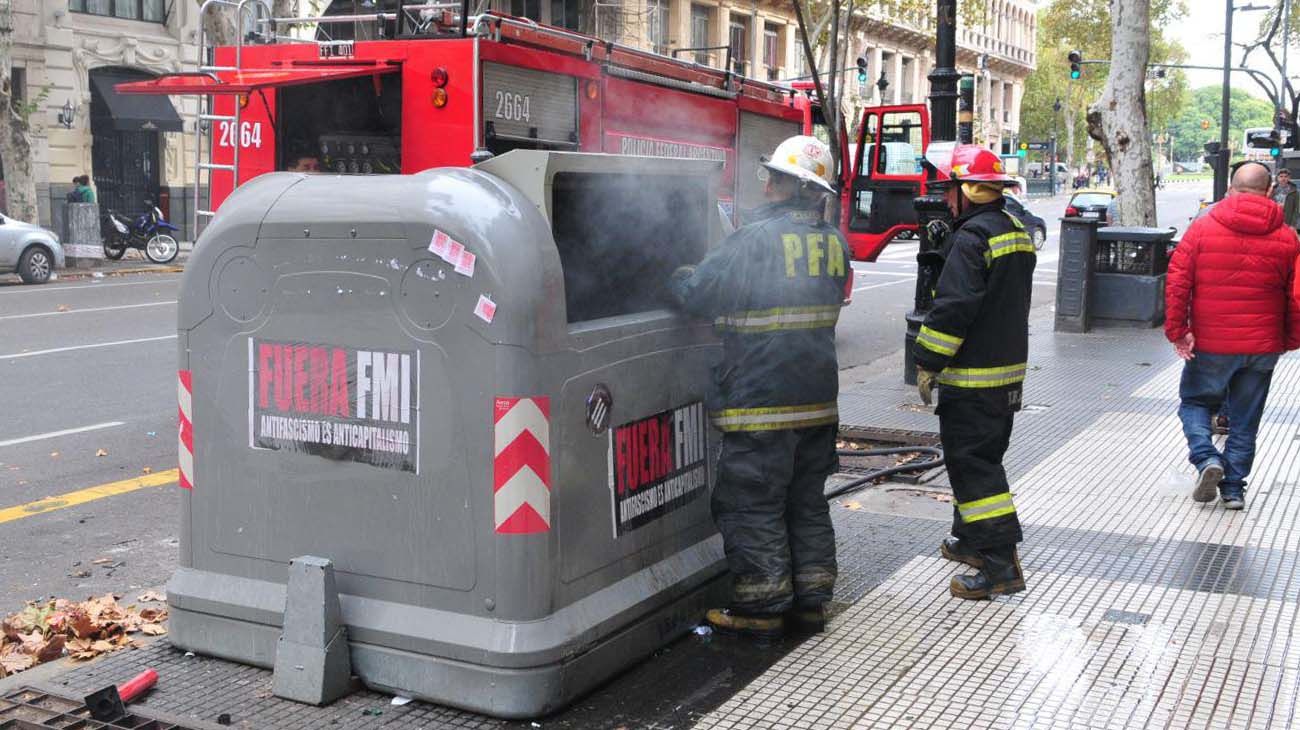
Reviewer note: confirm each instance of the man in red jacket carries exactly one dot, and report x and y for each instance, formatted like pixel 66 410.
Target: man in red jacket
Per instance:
pixel 1230 313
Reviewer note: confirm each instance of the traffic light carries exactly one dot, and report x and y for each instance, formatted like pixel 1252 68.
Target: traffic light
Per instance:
pixel 1076 69
pixel 1213 153
pixel 1205 124
pixel 862 69
pixel 1270 140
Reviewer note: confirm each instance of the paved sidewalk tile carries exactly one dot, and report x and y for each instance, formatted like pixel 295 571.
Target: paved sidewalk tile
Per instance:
pixel 1144 609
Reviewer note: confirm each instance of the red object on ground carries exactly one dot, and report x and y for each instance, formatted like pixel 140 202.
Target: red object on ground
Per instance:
pixel 1232 278
pixel 139 684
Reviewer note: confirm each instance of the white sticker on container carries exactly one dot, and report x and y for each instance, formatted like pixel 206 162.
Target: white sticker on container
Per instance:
pixel 465 265
pixel 486 309
pixel 438 246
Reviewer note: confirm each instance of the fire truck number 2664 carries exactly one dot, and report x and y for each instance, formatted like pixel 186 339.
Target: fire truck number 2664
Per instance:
pixel 249 134
pixel 513 107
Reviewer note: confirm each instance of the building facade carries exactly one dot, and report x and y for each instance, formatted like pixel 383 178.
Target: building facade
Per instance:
pixel 761 40
pixel 67 55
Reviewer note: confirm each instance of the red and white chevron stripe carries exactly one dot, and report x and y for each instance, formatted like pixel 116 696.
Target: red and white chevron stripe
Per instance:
pixel 521 467
pixel 184 396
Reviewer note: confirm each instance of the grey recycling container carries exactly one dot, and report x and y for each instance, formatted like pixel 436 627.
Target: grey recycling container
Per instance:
pixel 463 389
pixel 1128 282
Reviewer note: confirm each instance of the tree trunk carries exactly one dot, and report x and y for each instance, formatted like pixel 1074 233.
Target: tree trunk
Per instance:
pixel 15 138
pixel 1118 120
pixel 218 25
pixel 1069 136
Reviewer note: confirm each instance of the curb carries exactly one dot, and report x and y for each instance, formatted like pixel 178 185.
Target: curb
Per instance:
pixel 78 274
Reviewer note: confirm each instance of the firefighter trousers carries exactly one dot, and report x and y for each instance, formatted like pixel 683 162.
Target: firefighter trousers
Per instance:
pixel 769 503
pixel 975 430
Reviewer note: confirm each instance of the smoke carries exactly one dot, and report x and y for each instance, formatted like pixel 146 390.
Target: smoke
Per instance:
pixel 620 236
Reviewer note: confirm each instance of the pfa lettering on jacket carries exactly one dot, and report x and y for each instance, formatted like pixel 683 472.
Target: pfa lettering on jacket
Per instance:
pixel 657 465
pixel 339 403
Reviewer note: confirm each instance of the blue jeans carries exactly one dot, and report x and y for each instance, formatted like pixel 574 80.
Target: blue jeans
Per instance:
pixel 1208 381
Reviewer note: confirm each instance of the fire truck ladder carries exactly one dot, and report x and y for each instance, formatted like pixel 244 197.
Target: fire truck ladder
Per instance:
pixel 207 117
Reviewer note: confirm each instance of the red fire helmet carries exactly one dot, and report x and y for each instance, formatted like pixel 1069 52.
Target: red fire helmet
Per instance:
pixel 967 163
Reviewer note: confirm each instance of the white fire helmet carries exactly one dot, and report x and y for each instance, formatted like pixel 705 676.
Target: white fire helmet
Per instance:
pixel 803 157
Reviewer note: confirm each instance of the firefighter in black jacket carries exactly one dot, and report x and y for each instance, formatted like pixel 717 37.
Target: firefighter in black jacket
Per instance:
pixel 774 290
pixel 974 345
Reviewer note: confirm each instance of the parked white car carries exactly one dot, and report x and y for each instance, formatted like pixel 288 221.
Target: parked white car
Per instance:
pixel 29 250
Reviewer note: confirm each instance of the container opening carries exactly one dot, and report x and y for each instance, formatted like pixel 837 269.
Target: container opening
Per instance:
pixel 621 236
pixel 349 126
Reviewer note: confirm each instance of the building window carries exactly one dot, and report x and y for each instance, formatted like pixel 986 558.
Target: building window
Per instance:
pixel 738 39
pixel 564 13
pixel 772 51
pixel 154 11
pixel 800 59
pixel 659 27
pixel 18 86
pixel 531 9
pixel 700 32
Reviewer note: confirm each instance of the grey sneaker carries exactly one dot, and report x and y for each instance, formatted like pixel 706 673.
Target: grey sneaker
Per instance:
pixel 1233 499
pixel 1207 484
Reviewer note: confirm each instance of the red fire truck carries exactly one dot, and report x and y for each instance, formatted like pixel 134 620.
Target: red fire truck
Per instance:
pixel 438 88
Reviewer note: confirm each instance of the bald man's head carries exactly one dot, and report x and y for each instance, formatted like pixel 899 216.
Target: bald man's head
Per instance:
pixel 1251 178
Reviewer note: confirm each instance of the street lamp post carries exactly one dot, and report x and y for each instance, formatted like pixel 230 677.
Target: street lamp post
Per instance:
pixel 943 127
pixel 1221 169
pixel 1056 114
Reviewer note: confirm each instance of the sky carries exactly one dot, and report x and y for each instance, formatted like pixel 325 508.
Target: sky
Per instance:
pixel 1201 33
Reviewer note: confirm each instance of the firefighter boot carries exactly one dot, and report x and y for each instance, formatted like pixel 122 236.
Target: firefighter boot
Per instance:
pixel 806 619
pixel 955 550
pixel 1001 575
pixel 762 625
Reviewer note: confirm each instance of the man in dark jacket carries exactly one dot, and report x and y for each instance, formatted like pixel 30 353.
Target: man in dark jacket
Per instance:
pixel 1284 193
pixel 774 290
pixel 1230 312
pixel 975 344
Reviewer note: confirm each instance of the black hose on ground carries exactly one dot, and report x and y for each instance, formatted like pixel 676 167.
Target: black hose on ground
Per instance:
pixel 861 482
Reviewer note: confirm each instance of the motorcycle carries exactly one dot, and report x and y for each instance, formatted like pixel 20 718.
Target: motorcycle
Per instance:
pixel 150 232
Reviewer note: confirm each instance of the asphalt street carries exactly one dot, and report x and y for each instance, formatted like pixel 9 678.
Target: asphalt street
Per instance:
pixel 88 379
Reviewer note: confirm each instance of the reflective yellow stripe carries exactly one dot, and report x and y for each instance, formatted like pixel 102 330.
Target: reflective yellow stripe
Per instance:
pixel 779 318
pixel 986 508
pixel 1015 221
pixel 776 417
pixel 983 377
pixel 1008 243
pixel 936 341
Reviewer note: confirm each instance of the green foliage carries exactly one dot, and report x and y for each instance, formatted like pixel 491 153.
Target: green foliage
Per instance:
pixel 1204 104
pixel 1084 25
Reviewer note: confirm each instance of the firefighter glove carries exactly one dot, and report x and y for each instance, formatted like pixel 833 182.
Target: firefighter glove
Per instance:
pixel 925 385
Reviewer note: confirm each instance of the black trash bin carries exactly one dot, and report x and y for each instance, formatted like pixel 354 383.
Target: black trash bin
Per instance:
pixel 1128 275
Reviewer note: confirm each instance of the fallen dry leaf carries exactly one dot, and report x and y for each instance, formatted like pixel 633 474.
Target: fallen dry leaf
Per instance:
pixel 101 452
pixel 102 561
pixel 153 629
pixel 941 497
pixel 102 645
pixel 54 454
pixel 62 308
pixel 52 649
pixel 147 470
pixel 853 505
pixel 149 596
pixel 154 615
pixel 15 662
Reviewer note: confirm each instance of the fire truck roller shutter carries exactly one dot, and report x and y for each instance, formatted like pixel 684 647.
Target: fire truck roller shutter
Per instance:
pixel 536 108
pixel 759 135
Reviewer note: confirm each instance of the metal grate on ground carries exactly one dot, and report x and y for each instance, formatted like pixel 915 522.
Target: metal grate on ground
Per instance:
pixel 672 689
pixel 1144 609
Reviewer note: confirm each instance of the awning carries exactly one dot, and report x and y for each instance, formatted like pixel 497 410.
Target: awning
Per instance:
pixel 244 81
pixel 131 113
